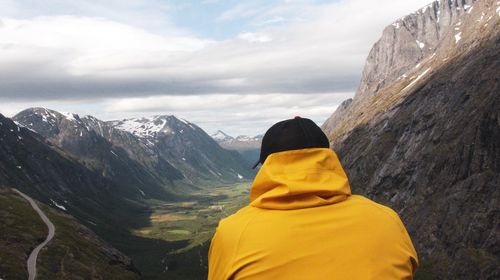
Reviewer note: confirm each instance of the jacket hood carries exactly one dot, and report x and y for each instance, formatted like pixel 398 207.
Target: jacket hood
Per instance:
pixel 300 179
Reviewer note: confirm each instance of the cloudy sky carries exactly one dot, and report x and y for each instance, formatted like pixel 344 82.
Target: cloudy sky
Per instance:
pixel 239 66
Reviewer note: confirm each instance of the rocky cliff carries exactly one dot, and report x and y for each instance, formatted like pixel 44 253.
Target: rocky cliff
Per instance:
pixel 403 44
pixel 424 139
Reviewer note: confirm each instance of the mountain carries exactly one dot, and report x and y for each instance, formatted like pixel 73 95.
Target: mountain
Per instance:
pixel 83 138
pixel 54 177
pixel 404 44
pixel 421 135
pixel 247 146
pixel 187 147
pixel 241 142
pixel 150 156
pixel 220 136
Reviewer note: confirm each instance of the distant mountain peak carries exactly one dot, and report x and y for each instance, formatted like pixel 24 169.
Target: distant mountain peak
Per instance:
pixel 50 116
pixel 70 116
pixel 151 127
pixel 142 127
pixel 241 142
pixel 220 136
pixel 246 138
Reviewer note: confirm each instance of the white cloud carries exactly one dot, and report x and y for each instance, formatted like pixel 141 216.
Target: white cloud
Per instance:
pixel 253 37
pixel 314 51
pixel 234 113
pixel 88 45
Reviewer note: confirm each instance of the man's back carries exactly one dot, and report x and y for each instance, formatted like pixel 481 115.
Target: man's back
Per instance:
pixel 303 223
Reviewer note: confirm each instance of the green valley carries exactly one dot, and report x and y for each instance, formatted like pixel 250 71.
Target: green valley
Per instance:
pixel 189 225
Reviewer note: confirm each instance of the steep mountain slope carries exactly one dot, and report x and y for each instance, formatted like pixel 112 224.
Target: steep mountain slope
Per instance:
pixel 52 176
pixel 426 143
pixel 80 250
pixel 187 147
pixel 148 156
pixel 403 44
pixel 83 138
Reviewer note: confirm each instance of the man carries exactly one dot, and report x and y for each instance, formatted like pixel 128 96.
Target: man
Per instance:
pixel 303 222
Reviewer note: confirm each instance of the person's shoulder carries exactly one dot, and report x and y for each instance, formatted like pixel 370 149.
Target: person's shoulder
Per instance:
pixel 361 200
pixel 377 210
pixel 237 221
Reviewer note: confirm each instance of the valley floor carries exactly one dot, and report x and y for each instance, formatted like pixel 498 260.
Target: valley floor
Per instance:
pixel 189 225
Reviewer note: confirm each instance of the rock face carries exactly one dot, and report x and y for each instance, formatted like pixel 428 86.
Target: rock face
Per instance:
pixel 403 45
pixel 426 142
pixel 409 39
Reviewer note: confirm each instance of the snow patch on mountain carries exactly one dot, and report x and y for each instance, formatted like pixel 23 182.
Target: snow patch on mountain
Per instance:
pixel 69 116
pixel 144 127
pixel 58 205
pixel 420 44
pixel 221 136
pixel 418 78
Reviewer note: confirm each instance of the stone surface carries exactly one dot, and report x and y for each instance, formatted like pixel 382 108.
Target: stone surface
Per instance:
pixel 403 44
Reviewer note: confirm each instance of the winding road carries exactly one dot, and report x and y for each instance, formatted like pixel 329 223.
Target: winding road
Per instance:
pixel 31 264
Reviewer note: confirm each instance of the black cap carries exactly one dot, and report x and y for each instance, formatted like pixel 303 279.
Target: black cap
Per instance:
pixel 293 134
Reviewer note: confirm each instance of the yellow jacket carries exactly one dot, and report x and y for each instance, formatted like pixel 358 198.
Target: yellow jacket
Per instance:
pixel 303 223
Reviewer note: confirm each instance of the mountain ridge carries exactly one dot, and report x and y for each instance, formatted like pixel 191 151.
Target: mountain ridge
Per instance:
pixel 162 149
pixel 240 142
pixel 247 146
